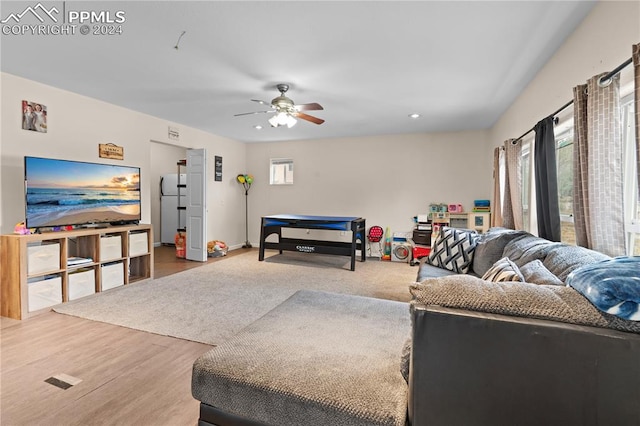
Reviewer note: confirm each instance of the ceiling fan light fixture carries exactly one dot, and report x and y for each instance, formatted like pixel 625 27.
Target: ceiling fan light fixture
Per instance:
pixel 291 121
pixel 283 118
pixel 286 112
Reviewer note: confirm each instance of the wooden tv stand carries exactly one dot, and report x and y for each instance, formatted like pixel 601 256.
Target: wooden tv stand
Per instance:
pixel 35 273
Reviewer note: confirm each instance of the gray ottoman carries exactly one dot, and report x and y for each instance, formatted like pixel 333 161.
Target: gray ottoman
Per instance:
pixel 316 359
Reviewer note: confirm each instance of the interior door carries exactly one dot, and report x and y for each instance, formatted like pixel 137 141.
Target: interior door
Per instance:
pixel 196 205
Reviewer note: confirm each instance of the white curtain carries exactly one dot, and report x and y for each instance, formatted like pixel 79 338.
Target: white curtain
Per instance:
pixel 636 71
pixel 498 185
pixel 598 167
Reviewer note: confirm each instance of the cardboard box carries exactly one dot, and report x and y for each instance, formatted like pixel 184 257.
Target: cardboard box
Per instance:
pixel 43 258
pixel 138 243
pixel 44 292
pixel 81 283
pixel 112 275
pixel 110 248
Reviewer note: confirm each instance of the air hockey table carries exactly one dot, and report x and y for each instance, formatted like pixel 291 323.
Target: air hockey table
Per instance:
pixel 274 224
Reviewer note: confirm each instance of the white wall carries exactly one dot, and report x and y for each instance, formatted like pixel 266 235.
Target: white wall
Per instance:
pixel 385 179
pixel 77 124
pixel 601 43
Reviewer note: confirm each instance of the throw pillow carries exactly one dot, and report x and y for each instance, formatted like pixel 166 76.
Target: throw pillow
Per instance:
pixel 453 250
pixel 612 285
pixel 528 248
pixel 490 247
pixel 535 272
pixel 564 259
pixel 503 270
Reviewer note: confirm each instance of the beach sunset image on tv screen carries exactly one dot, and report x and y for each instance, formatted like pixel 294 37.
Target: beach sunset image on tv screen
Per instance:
pixel 62 192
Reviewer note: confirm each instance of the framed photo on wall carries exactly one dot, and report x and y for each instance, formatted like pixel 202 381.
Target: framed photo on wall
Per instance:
pixel 34 116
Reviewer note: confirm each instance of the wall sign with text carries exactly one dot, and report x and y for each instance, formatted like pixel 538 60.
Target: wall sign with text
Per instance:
pixel 218 169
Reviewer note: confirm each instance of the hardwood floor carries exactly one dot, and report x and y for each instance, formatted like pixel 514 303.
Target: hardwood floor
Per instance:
pixel 129 377
pixel 166 263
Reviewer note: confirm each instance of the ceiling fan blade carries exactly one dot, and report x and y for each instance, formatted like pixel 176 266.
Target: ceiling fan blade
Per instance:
pixel 308 117
pixel 251 113
pixel 261 102
pixel 309 107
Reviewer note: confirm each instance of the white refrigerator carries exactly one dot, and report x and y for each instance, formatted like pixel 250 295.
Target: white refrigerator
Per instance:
pixel 171 218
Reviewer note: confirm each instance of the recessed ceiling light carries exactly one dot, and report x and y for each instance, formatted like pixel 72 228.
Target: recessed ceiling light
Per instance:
pixel 257 127
pixel 414 115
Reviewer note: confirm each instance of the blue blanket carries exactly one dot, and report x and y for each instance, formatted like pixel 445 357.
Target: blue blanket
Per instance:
pixel 612 285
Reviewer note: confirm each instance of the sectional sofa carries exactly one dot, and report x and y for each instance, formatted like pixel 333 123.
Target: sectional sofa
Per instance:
pixel 465 350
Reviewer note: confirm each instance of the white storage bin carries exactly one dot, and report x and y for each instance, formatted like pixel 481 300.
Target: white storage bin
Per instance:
pixel 138 244
pixel 112 275
pixel 43 258
pixel 81 283
pixel 44 292
pixel 110 248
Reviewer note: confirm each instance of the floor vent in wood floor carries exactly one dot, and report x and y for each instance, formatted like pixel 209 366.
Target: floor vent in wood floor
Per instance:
pixel 63 381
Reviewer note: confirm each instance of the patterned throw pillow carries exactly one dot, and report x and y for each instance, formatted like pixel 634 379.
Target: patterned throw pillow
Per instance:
pixel 503 270
pixel 453 250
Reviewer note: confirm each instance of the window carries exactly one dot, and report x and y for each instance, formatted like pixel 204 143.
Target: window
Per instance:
pixel 564 167
pixel 528 202
pixel 564 135
pixel 281 171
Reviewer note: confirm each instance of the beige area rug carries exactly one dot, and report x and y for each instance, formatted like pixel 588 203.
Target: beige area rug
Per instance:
pixel 211 303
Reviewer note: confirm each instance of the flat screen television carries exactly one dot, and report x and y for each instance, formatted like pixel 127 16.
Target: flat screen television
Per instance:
pixel 64 192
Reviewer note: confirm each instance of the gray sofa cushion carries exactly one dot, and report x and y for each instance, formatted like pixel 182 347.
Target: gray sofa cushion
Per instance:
pixel 556 303
pixel 526 249
pixel 490 247
pixel 429 271
pixel 563 260
pixel 316 359
pixel 536 273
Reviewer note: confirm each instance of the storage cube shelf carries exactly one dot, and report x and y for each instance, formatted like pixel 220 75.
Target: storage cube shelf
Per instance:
pixel 35 273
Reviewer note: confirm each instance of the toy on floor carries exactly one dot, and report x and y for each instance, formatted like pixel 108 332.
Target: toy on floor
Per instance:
pixel 387 245
pixel 180 240
pixel 217 248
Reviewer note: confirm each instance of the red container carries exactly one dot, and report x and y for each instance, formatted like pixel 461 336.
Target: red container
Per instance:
pixel 181 242
pixel 421 251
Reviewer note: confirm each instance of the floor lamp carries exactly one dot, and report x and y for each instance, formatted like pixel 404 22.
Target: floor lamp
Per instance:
pixel 246 181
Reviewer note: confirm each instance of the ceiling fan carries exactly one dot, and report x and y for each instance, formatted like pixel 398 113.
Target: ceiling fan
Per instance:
pixel 286 111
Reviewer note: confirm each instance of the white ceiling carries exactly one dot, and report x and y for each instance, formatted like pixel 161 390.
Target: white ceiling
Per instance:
pixel 370 64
